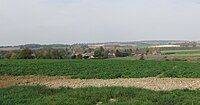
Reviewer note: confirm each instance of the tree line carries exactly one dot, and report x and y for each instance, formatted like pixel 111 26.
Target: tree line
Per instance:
pixel 27 53
pixel 68 53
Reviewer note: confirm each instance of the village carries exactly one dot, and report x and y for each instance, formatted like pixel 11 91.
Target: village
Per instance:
pixel 108 53
pixel 95 50
pixel 112 50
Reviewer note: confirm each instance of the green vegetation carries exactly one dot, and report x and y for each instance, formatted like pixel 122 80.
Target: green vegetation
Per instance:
pixel 104 69
pixel 100 53
pixel 171 57
pixel 47 53
pixel 181 52
pixel 38 95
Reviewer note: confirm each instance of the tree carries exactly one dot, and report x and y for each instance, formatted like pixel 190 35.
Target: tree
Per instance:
pixel 147 49
pixel 99 52
pixel 39 55
pixel 124 54
pixel 47 54
pixel 13 56
pixel 66 52
pixel 90 50
pixel 105 54
pixel 101 49
pixel 7 55
pixel 117 53
pixel 142 57
pixel 62 54
pixel 25 54
pixel 54 54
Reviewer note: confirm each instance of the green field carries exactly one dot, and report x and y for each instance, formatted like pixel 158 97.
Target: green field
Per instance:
pixel 38 95
pixel 182 52
pixel 103 69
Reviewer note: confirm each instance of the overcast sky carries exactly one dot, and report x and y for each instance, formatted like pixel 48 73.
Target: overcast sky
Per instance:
pixel 77 21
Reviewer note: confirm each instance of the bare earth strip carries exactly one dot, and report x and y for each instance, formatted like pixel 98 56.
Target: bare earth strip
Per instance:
pixel 157 84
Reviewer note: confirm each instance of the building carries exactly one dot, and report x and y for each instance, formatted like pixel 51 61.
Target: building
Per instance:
pixel 156 52
pixel 111 55
pixel 139 53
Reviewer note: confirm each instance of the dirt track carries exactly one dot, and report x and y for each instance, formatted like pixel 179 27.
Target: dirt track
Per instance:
pixel 147 83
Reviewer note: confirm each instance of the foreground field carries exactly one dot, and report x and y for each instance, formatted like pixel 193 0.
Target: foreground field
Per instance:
pixel 101 69
pixel 100 74
pixel 38 95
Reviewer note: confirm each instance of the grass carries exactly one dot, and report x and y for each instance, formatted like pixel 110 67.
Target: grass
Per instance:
pixel 39 95
pixel 102 69
pixel 182 52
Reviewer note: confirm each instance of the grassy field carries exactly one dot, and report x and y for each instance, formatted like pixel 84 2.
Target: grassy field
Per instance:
pixel 183 51
pixel 103 69
pixel 38 95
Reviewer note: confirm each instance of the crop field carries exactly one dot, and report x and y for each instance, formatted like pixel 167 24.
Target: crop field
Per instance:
pixel 101 69
pixel 183 57
pixel 39 95
pixel 49 73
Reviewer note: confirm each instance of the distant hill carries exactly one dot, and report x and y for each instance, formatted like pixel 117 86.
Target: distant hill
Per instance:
pixel 37 46
pixel 145 43
pixel 44 46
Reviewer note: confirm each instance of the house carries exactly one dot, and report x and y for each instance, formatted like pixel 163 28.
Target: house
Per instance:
pixel 139 53
pixel 111 55
pixel 156 52
pixel 88 55
pixel 79 56
pixel 91 55
pixel 33 56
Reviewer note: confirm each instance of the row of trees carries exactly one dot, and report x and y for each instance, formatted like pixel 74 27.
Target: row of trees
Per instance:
pixel 51 54
pixel 23 54
pixel 102 53
pixel 121 54
pixel 39 54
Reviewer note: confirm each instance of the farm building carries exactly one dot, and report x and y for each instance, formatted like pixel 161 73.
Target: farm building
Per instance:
pixel 111 55
pixel 139 53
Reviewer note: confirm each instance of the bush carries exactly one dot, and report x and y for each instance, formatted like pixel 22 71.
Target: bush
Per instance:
pixel 142 57
pixel 25 54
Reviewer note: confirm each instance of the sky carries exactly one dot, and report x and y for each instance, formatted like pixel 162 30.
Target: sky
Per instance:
pixel 82 21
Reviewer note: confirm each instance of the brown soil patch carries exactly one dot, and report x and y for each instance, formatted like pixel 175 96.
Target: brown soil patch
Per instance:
pixel 157 84
pixel 9 49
